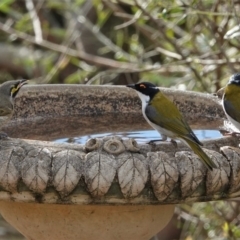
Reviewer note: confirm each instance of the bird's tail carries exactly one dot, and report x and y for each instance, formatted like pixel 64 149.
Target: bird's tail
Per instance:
pixel 201 154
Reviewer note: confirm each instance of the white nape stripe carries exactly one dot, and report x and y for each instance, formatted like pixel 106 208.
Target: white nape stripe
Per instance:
pixel 145 100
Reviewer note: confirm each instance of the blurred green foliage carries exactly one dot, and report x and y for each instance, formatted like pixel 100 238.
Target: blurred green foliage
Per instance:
pixel 189 44
pixel 210 220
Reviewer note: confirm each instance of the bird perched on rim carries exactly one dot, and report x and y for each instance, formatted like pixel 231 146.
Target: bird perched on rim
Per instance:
pixel 8 92
pixel 231 100
pixel 164 116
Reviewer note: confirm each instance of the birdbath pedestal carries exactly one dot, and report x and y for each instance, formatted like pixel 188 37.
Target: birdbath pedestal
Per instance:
pixel 90 222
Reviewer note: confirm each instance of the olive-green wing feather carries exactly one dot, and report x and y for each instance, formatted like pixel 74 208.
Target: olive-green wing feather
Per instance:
pixel 201 154
pixel 166 115
pixel 231 100
pixel 232 108
pixel 182 130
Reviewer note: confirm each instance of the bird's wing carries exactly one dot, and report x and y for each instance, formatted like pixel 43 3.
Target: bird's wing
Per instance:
pixel 232 109
pixel 171 119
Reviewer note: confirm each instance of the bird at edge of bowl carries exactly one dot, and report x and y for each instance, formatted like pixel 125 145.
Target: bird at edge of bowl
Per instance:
pixel 231 101
pixel 8 92
pixel 163 115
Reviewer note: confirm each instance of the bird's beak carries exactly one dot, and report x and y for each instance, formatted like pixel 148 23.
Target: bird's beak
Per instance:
pixel 22 82
pixel 131 86
pixel 17 87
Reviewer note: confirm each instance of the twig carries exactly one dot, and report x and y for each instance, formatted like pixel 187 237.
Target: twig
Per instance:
pixel 35 20
pixel 131 21
pixel 173 43
pixel 169 53
pixel 93 59
pixel 103 39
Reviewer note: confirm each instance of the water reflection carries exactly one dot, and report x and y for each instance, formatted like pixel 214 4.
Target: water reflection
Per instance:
pixel 140 136
pixel 129 124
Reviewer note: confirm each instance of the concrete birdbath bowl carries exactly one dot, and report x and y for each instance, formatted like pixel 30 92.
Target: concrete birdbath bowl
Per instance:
pixel 110 187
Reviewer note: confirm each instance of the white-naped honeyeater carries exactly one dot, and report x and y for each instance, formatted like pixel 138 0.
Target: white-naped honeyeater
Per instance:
pixel 163 115
pixel 8 92
pixel 231 100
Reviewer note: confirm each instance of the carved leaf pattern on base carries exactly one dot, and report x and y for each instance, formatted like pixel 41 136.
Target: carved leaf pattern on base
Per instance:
pixel 218 179
pixel 55 171
pixel 132 173
pixel 10 164
pixel 233 156
pixel 100 170
pixel 36 169
pixel 164 174
pixel 67 169
pixel 192 172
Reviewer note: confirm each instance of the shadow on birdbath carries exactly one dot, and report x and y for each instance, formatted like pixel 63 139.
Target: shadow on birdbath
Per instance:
pixel 111 187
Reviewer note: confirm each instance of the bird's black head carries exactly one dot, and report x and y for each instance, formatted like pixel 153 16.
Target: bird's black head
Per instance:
pixel 145 88
pixel 11 88
pixel 15 87
pixel 235 79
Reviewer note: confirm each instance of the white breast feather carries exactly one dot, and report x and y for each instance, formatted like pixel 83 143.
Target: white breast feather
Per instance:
pixel 234 122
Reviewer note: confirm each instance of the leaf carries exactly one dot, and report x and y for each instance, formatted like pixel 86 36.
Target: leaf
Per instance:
pixel 10 162
pixel 5 5
pixel 100 170
pixel 233 156
pixel 218 180
pixel 36 169
pixel 132 173
pixel 67 169
pixel 192 172
pixel 164 174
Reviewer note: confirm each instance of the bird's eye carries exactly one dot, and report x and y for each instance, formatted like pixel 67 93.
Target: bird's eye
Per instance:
pixel 142 86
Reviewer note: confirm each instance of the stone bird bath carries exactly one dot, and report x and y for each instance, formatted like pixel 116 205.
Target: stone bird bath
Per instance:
pixel 109 188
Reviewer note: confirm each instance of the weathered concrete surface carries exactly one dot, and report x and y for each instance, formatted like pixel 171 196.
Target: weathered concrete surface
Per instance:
pixel 55 111
pixel 109 170
pixel 109 188
pixel 116 172
pixel 74 100
pixel 71 222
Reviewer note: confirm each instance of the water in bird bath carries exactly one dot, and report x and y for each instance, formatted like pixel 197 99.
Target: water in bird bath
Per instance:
pixel 80 129
pixel 140 136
